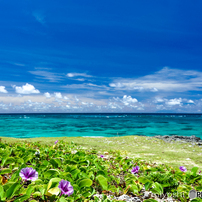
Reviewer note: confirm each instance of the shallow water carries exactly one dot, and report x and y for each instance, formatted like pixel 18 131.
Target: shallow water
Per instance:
pixel 106 125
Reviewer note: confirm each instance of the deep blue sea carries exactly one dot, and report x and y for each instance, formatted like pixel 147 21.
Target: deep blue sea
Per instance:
pixel 106 125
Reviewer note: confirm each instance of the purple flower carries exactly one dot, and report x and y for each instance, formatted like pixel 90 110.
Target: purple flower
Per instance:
pixel 28 174
pixel 66 188
pixel 56 141
pixel 135 169
pixel 182 168
pixel 199 171
pixel 102 156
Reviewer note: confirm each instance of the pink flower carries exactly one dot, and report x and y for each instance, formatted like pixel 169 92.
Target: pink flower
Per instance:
pixel 66 188
pixel 28 173
pixel 135 169
pixel 182 168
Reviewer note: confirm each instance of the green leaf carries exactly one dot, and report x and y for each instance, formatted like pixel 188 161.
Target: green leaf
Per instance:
pixel 102 182
pixel 55 162
pixel 196 200
pixel 86 194
pixel 9 160
pixel 19 160
pixel 148 185
pixel 198 188
pixel 85 183
pixel 12 189
pixel 62 199
pixel 51 172
pixel 53 191
pixel 1 192
pixel 75 173
pixel 38 181
pixel 194 170
pixel 158 189
pixel 29 191
pixel 28 158
pixel 52 184
pixel 70 168
pixel 100 172
pixel 143 180
pixel 22 198
pixel 5 171
pixel 7 185
pixel 133 188
pixel 150 200
pixel 36 194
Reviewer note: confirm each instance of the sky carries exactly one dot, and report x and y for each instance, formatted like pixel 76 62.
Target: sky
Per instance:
pixel 100 56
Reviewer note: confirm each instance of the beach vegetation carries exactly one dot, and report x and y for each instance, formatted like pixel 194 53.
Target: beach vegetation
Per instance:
pixel 62 171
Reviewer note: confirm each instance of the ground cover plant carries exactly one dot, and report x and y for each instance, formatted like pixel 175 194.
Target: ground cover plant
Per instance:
pixel 64 171
pixel 144 147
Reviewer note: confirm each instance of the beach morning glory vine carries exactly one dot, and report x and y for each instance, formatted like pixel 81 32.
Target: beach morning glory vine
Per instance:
pixel 182 168
pixel 135 169
pixel 66 188
pixel 28 173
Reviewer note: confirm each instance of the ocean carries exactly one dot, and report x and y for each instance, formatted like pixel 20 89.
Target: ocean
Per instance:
pixel 99 125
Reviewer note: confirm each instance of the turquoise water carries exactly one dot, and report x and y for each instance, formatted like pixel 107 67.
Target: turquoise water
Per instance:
pixel 106 125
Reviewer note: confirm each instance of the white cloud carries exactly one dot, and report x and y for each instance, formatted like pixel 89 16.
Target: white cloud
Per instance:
pixel 190 101
pixel 129 99
pixel 80 79
pixel 159 100
pixel 175 101
pixel 76 99
pixel 126 100
pixel 166 79
pixel 51 76
pixel 78 74
pixel 58 95
pixel 3 90
pixel 154 90
pixel 26 89
pixel 66 98
pixel 48 95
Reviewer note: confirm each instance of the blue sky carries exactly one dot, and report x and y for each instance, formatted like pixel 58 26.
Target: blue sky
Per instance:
pixel 100 56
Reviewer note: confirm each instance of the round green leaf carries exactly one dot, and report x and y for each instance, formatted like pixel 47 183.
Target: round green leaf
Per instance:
pixel 85 183
pixel 102 182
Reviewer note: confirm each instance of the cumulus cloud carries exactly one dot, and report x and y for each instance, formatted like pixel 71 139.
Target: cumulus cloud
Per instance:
pixel 66 98
pixel 128 99
pixel 3 90
pixel 159 100
pixel 166 79
pixel 26 89
pixel 78 75
pixel 175 101
pixel 58 95
pixel 47 95
pixel 126 103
